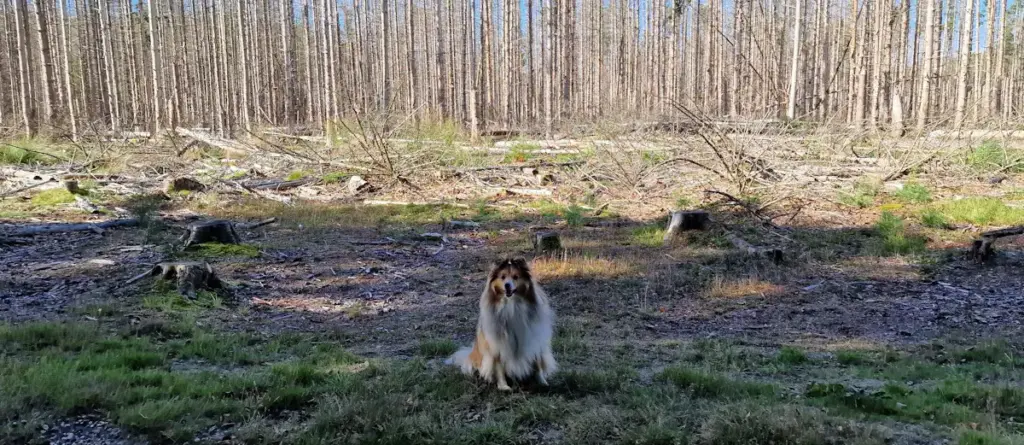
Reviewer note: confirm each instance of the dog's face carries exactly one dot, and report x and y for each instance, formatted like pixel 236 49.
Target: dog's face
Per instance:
pixel 510 278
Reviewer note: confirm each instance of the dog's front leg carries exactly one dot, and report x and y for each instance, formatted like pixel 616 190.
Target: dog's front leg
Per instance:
pixel 499 373
pixel 487 367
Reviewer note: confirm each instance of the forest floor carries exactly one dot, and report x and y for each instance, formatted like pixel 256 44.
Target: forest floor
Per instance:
pixel 875 327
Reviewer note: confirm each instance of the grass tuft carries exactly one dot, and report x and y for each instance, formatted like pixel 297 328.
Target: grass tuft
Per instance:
pixel 913 193
pixel 705 385
pixel 792 356
pixel 981 211
pixel 437 348
pixel 934 219
pixel 894 237
pixel 651 235
pixel 863 195
pixel 218 250
pixel 785 424
pixel 53 197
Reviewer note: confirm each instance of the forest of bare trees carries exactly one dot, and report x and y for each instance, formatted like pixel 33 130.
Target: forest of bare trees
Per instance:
pixel 74 66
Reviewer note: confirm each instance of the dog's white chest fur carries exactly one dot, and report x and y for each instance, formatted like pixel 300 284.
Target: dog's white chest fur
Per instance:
pixel 521 332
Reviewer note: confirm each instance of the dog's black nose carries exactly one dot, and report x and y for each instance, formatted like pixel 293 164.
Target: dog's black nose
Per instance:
pixel 508 288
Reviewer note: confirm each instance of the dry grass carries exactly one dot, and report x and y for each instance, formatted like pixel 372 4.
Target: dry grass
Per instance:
pixel 722 288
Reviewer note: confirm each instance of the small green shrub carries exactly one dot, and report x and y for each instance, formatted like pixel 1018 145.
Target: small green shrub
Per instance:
pixel 991 155
pixel 792 356
pixel 335 177
pixel 913 194
pixel 934 219
pixel 894 238
pixel 296 175
pixel 863 195
pixel 649 236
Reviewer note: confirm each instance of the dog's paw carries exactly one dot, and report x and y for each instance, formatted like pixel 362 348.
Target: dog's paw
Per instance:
pixel 542 380
pixel 504 387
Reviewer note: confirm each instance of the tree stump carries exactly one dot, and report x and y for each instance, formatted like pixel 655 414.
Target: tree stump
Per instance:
pixel 357 185
pixel 71 185
pixel 183 184
pixel 219 231
pixel 981 249
pixel 686 220
pixel 546 242
pixel 190 277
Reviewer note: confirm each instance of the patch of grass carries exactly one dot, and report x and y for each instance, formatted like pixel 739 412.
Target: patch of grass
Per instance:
pixel 218 250
pixel 981 211
pixel 163 299
pixel 573 215
pixel 651 235
pixel 683 203
pixel 296 175
pixel 27 151
pixel 991 155
pixel 706 385
pixel 322 215
pixel 850 358
pixel 782 424
pixel 894 239
pixel 995 352
pixel 913 193
pixel 520 152
pixel 863 195
pixel 934 219
pixel 437 348
pixel 792 356
pixel 972 437
pixel 335 177
pixel 53 197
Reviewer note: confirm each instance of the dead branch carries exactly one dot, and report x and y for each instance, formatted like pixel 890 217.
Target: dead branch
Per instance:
pixel 775 255
pixel 981 249
pixel 64 228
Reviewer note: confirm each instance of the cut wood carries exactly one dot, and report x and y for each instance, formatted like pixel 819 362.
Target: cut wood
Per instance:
pixel 219 231
pixel 453 224
pixel 71 186
pixel 183 184
pixel 382 202
pixel 546 242
pixel 981 249
pixel 775 255
pixel 63 228
pixel 681 221
pixel 190 277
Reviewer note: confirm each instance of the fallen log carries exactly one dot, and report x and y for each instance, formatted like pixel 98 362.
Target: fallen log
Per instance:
pixel 82 227
pixel 981 249
pixel 278 185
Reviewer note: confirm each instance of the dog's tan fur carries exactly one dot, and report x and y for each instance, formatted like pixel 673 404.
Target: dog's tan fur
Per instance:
pixel 513 336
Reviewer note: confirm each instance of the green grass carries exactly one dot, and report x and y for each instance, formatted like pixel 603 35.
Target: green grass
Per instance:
pixel 296 175
pixel 437 348
pixel 218 250
pixel 913 193
pixel 53 197
pixel 171 380
pixel 651 235
pixel 991 156
pixel 335 177
pixel 894 239
pixel 981 211
pixel 792 356
pixel 702 384
pixel 27 151
pixel 520 152
pixel 863 195
pixel 934 219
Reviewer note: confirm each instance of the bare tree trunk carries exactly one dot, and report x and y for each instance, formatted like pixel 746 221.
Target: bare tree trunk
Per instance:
pixel 47 81
pixel 794 62
pixel 965 60
pixel 924 103
pixel 28 107
pixel 66 60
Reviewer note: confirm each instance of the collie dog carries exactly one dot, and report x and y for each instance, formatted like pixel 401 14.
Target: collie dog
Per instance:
pixel 513 334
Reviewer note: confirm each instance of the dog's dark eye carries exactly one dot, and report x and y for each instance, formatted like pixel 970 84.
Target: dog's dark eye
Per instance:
pixel 502 277
pixel 515 277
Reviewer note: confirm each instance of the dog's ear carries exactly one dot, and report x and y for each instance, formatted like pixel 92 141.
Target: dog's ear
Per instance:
pixel 520 263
